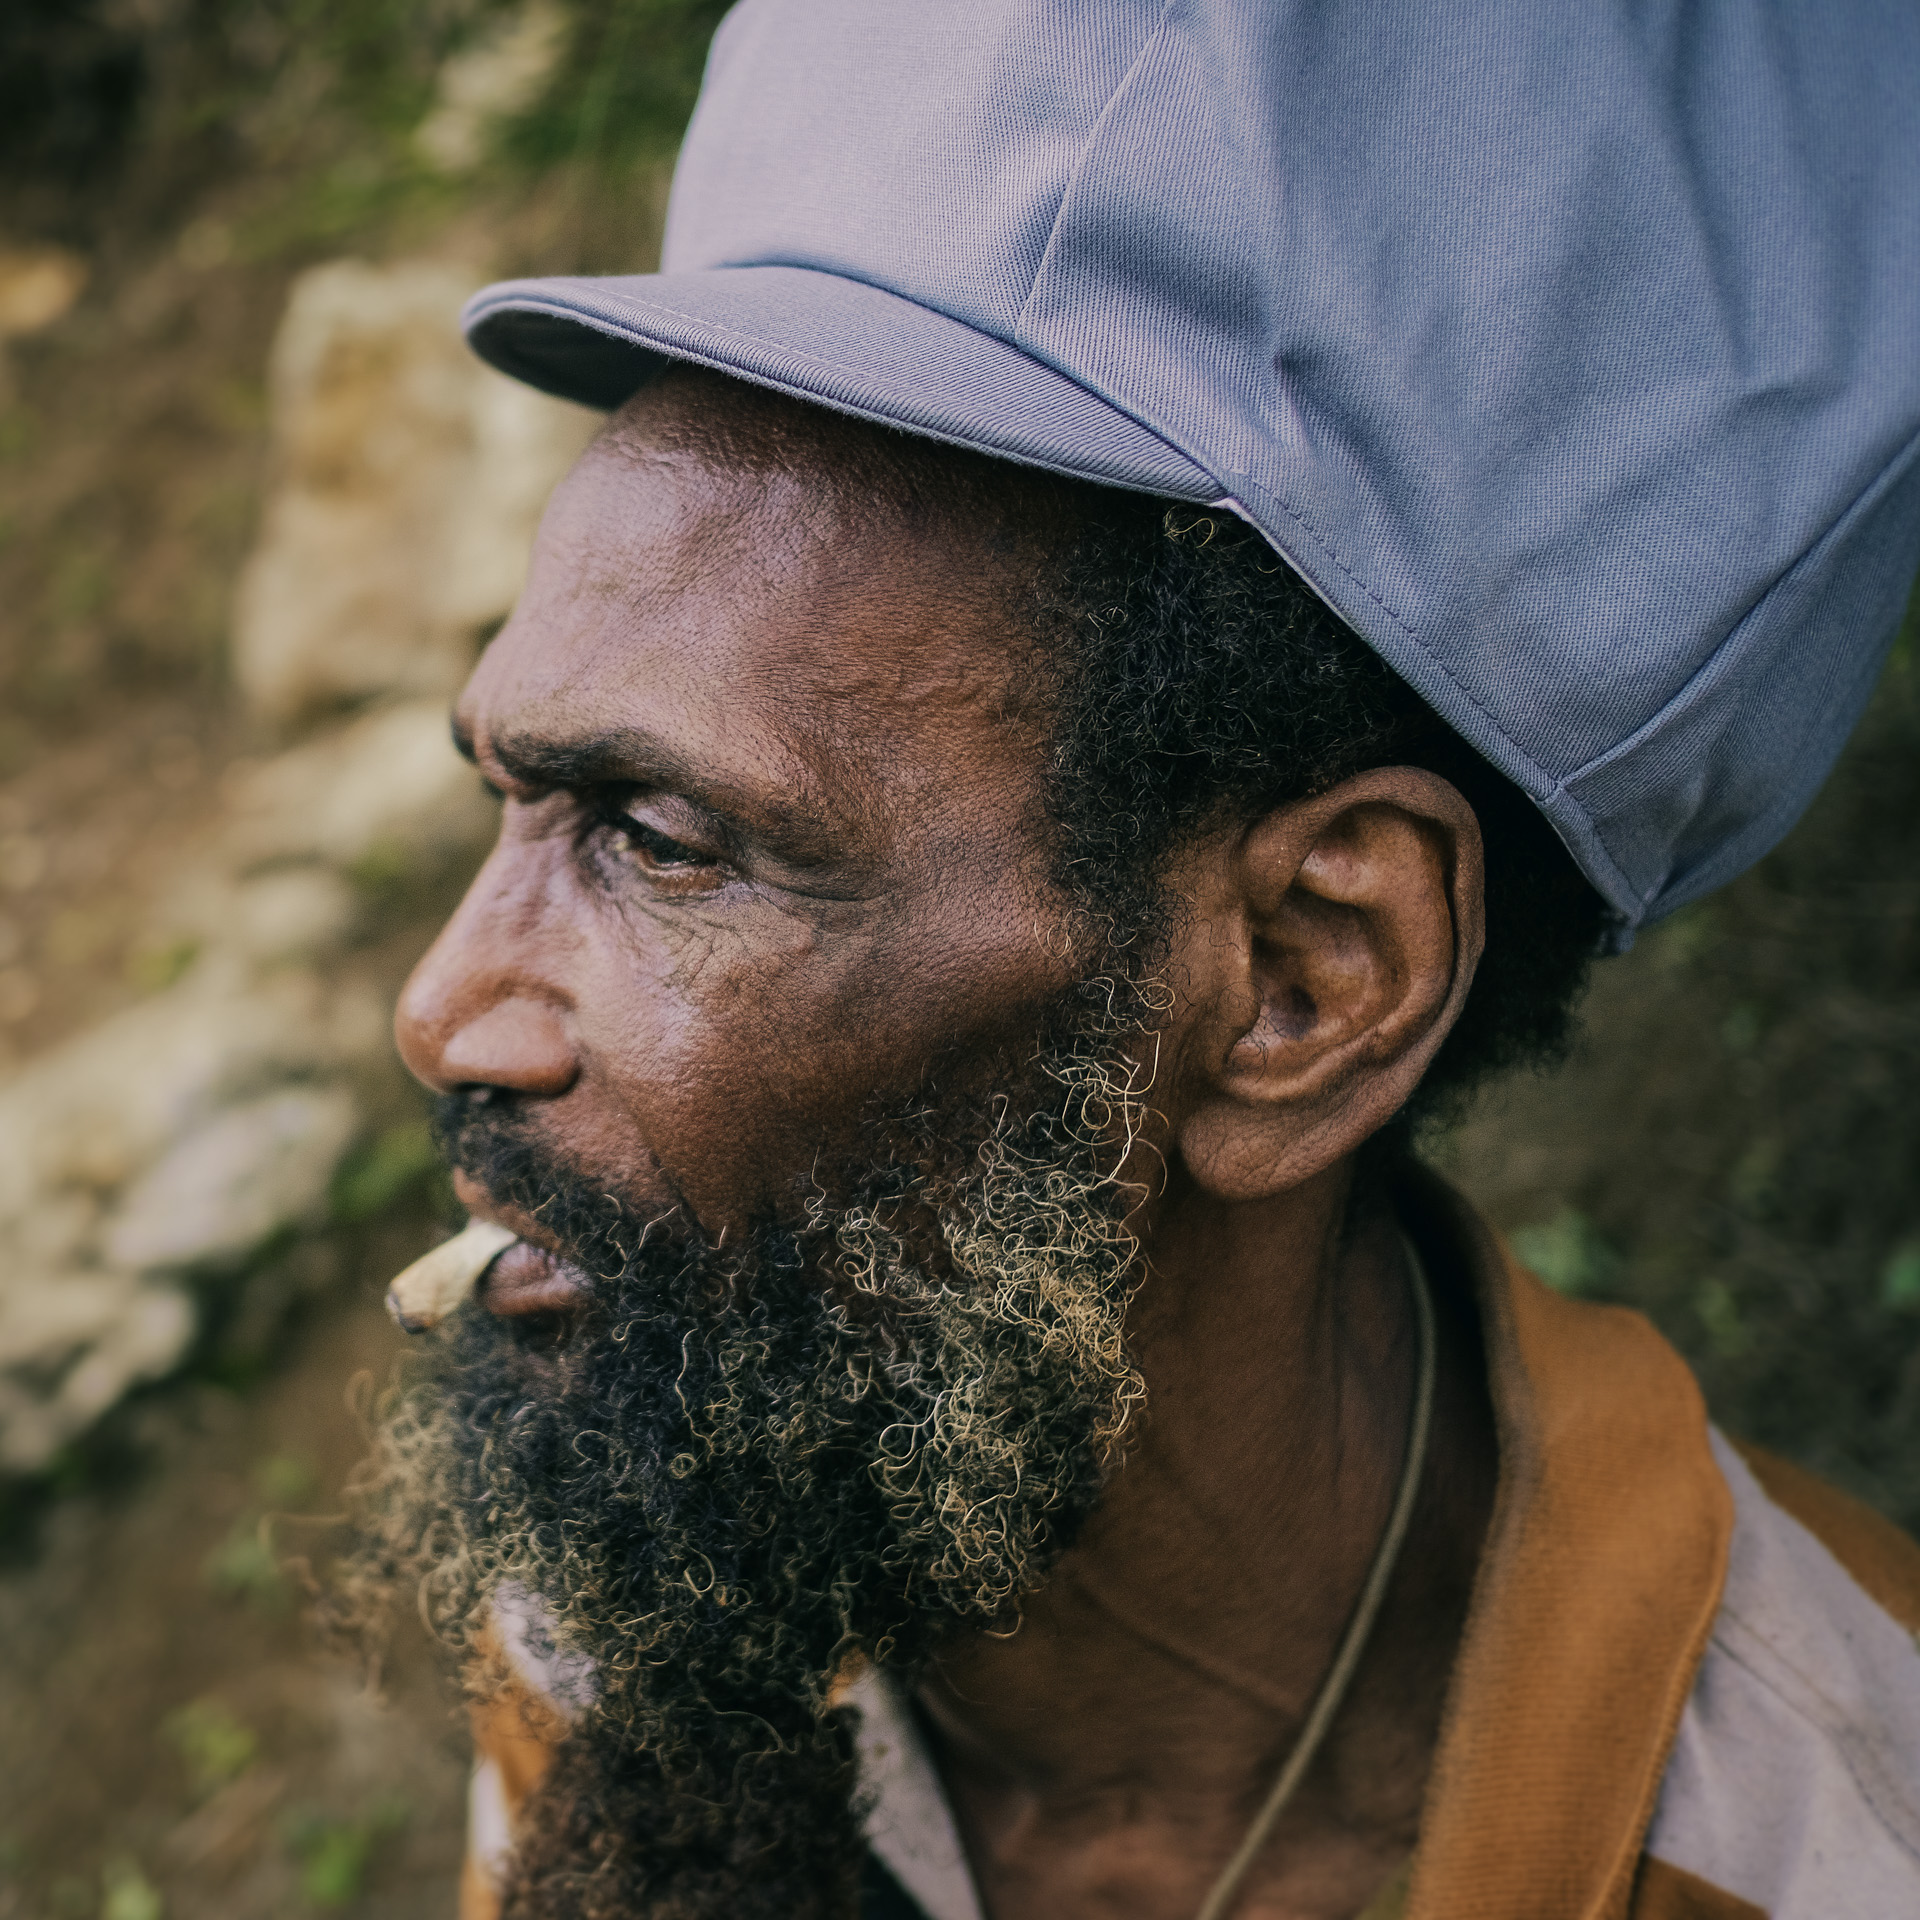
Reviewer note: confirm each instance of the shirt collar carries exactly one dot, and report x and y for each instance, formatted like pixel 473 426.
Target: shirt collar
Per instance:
pixel 1596 1593
pixel 909 1822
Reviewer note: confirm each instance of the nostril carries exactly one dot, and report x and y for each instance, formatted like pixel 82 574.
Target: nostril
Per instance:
pixel 517 1046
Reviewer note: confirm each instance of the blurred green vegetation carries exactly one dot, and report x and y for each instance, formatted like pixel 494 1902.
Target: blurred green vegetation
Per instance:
pixel 1735 1146
pixel 215 1746
pixel 399 1162
pixel 318 102
pixel 623 89
pixel 1569 1253
pixel 335 1852
pixel 244 1567
pixel 127 1893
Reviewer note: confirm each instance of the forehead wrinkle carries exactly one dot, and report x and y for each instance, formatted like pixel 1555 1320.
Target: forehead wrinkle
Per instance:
pixel 924 726
pixel 856 547
pixel 875 691
pixel 698 506
pixel 635 609
pixel 860 655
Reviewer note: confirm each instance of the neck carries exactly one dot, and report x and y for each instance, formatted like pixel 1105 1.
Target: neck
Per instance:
pixel 1105 1758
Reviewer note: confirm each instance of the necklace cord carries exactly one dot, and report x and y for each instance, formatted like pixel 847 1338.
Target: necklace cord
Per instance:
pixel 1353 1643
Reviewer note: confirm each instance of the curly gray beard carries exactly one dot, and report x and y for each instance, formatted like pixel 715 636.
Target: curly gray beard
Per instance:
pixel 852 1433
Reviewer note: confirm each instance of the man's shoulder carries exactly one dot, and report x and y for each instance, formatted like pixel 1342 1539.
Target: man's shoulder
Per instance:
pixel 1881 1560
pixel 1794 1780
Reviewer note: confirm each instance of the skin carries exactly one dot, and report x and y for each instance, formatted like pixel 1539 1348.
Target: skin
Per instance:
pixel 770 846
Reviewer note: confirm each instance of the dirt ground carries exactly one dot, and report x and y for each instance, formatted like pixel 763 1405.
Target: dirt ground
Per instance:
pixel 170 1742
pixel 1734 1145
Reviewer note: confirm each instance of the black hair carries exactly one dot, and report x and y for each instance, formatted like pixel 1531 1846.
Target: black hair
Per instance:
pixel 1200 681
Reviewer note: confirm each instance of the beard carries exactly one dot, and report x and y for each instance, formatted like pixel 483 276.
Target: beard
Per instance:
pixel 873 1421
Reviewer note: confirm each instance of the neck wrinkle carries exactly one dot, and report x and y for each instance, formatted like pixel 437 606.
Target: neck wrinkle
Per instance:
pixel 1279 1356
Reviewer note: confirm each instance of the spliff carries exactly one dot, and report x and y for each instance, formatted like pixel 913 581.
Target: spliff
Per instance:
pixel 437 1282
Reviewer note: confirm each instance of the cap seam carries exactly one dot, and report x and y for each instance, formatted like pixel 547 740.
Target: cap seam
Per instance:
pixel 1901 456
pixel 1078 173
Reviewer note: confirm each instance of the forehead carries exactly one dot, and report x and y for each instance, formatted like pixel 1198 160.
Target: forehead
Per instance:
pixel 771 607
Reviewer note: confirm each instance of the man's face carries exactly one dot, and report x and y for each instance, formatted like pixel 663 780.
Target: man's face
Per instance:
pixel 772 844
pixel 763 1025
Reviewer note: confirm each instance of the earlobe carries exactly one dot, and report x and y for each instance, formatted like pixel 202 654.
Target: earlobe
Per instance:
pixel 1342 940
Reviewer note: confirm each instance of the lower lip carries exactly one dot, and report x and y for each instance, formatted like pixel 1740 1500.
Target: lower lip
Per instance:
pixel 528 1279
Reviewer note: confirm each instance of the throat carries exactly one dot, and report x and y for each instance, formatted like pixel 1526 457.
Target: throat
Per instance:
pixel 1108 1757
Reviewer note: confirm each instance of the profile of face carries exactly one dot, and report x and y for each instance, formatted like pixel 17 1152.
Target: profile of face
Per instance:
pixel 762 1026
pixel 831 1121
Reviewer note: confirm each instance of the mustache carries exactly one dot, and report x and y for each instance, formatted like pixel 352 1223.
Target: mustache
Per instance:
pixel 499 1143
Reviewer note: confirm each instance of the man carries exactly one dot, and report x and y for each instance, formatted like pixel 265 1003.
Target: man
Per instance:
pixel 1207 559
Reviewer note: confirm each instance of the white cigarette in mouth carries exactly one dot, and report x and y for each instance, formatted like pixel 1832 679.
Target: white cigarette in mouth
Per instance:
pixel 439 1281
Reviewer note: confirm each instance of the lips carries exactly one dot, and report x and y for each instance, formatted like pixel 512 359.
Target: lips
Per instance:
pixel 529 1279
pixel 499 1255
pixel 532 1275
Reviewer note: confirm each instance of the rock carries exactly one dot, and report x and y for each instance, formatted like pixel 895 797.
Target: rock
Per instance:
pixel 47 1234
pixel 49 1316
pixel 409 482
pixel 183 1136
pixel 37 287
pixel 179 1135
pixel 72 1346
pixel 167 1138
pixel 94 1114
pixel 186 1131
pixel 234 1182
pixel 389 784
pixel 295 913
pixel 269 919
pixel 523 445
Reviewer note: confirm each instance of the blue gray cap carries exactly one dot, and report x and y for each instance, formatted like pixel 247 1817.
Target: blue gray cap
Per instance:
pixel 1571 351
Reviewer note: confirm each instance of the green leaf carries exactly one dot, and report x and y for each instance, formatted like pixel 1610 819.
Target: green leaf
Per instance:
pixel 334 1854
pixel 216 1746
pixel 383 1172
pixel 1719 1313
pixel 244 1567
pixel 129 1894
pixel 1568 1252
pixel 284 1479
pixel 1900 1277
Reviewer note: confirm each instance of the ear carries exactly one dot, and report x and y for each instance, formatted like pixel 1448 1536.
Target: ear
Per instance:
pixel 1328 953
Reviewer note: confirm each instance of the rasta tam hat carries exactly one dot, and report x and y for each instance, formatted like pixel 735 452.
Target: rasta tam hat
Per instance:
pixel 1571 351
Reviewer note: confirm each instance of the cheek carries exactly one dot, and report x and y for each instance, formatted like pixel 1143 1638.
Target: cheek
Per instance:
pixel 727 1063
pixel 702 1059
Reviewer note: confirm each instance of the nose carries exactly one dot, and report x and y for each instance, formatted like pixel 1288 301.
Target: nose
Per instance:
pixel 476 1011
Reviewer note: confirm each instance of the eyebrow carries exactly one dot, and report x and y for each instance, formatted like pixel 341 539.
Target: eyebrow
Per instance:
pixel 798 835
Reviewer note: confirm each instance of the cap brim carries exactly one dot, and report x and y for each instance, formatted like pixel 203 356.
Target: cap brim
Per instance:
pixel 823 337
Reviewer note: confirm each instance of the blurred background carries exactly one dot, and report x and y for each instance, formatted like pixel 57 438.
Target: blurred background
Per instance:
pixel 258 512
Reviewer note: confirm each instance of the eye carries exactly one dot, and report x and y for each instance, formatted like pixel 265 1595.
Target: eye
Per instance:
pixel 658 849
pixel 652 850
